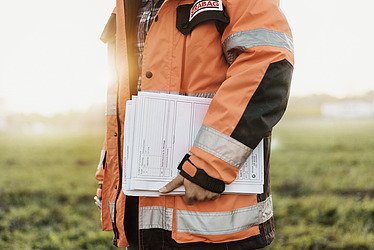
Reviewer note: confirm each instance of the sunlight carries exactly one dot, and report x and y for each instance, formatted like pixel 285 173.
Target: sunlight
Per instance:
pixel 53 61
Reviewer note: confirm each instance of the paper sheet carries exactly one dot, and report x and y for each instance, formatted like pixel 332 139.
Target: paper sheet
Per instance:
pixel 159 130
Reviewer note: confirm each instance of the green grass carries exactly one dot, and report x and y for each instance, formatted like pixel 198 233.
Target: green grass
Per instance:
pixel 46 193
pixel 322 180
pixel 323 183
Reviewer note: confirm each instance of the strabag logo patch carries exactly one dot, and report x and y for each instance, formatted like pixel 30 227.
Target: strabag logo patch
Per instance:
pixel 205 5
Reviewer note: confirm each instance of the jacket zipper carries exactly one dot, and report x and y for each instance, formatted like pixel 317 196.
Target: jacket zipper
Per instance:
pixel 115 228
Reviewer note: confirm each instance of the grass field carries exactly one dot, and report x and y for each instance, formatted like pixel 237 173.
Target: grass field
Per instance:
pixel 322 180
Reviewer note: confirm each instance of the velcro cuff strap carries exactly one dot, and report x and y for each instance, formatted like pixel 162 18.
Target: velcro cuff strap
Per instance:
pixel 198 176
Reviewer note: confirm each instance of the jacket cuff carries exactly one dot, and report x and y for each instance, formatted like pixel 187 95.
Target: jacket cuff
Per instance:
pixel 198 176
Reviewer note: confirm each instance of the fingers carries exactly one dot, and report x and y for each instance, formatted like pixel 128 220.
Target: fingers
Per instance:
pixel 195 193
pixel 98 202
pixel 190 199
pixel 189 196
pixel 215 196
pixel 175 183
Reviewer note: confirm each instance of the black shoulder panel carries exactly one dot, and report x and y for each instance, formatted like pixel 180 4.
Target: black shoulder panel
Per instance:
pixel 186 23
pixel 267 105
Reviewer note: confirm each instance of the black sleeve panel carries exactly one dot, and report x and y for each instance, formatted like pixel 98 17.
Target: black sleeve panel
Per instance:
pixel 267 105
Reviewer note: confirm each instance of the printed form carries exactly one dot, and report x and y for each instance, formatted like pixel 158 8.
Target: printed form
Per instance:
pixel 159 130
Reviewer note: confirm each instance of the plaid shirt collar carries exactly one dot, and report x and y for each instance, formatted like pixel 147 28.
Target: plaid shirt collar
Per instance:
pixel 146 15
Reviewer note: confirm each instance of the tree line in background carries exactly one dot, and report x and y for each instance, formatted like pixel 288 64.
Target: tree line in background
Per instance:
pixel 93 120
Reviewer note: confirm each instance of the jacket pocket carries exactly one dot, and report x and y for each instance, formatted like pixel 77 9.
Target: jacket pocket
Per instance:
pixel 228 218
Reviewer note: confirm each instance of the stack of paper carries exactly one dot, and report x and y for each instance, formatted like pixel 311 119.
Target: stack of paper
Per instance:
pixel 159 130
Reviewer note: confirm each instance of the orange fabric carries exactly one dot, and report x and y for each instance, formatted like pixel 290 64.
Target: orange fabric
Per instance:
pixel 224 203
pixel 106 221
pixel 227 105
pixel 120 218
pixel 189 169
pixel 99 175
pixel 190 64
pixel 123 94
pixel 216 167
pixel 166 201
pixel 182 63
pixel 244 74
pixel 189 238
pixel 110 177
pixel 264 14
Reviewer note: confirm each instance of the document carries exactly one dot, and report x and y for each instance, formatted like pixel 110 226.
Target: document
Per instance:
pixel 159 130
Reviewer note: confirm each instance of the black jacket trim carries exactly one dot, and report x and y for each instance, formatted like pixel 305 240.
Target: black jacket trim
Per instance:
pixel 201 178
pixel 267 105
pixel 185 26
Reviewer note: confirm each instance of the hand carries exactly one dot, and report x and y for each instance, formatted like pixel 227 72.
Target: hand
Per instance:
pixel 98 202
pixel 193 193
pixel 98 197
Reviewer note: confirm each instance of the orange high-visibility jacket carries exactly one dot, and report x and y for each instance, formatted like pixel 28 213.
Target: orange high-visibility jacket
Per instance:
pixel 240 53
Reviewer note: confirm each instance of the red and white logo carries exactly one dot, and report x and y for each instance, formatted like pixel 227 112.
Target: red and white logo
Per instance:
pixel 205 5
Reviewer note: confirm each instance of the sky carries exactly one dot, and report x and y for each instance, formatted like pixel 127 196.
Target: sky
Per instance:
pixel 51 58
pixel 333 46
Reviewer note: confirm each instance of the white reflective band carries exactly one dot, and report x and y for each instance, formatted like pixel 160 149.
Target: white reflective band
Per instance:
pixel 204 94
pixel 243 40
pixel 222 146
pixel 112 209
pixel 155 217
pixel 218 223
pixel 102 158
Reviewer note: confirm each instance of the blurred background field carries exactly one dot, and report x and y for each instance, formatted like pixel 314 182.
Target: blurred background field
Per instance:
pixel 322 180
pixel 323 149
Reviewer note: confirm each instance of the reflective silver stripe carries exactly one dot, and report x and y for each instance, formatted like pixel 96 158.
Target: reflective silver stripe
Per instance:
pixel 155 217
pixel 204 94
pixel 112 208
pixel 243 40
pixel 218 223
pixel 222 146
pixel 102 158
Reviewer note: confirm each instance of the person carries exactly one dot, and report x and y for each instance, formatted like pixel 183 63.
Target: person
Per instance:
pixel 237 52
